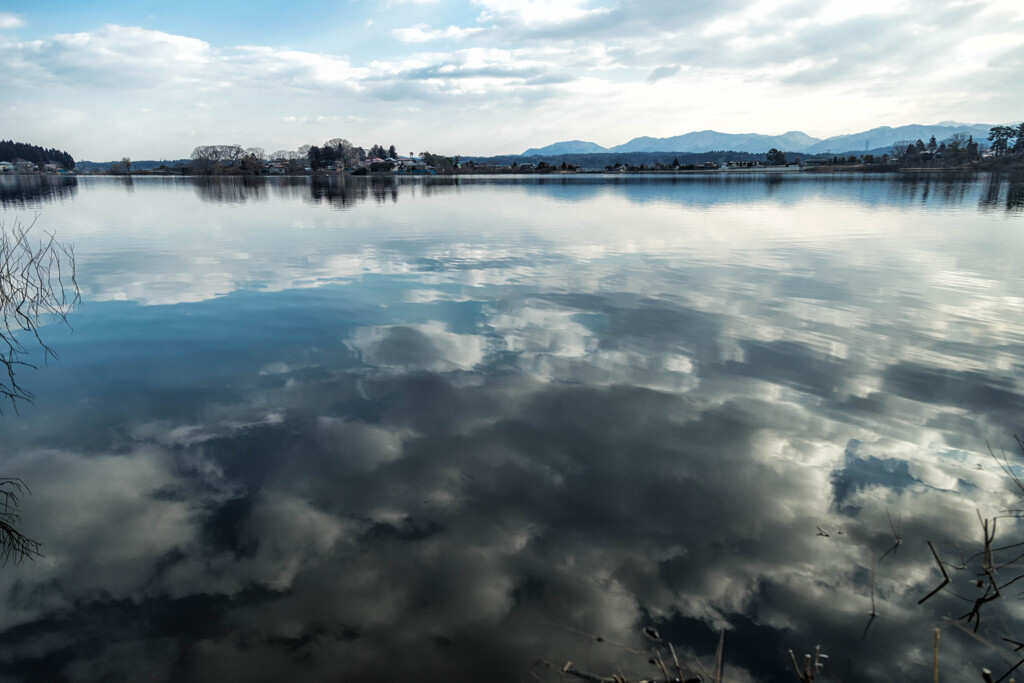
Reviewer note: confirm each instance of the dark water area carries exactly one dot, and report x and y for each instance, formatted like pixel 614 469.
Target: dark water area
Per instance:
pixel 441 429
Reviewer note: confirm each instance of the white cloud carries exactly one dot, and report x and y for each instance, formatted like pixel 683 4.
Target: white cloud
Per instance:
pixel 428 346
pixel 840 10
pixel 471 71
pixel 295 68
pixel 126 57
pixel 319 120
pixel 421 33
pixel 113 56
pixel 537 13
pixel 8 20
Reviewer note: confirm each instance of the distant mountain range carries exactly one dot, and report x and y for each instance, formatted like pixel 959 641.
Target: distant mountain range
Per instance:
pixel 793 141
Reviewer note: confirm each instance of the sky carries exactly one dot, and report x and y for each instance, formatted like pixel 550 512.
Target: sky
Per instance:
pixel 105 79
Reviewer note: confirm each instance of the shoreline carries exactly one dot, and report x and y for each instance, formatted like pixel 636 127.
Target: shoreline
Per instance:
pixel 1010 166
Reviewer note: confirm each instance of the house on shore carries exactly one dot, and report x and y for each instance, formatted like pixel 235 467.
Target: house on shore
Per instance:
pixel 410 165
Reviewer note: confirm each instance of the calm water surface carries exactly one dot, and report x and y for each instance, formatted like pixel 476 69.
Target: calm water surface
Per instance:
pixel 442 429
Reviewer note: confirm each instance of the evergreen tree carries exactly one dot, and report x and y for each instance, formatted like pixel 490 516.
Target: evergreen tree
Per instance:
pixel 1000 137
pixel 13 151
pixel 972 148
pixel 314 157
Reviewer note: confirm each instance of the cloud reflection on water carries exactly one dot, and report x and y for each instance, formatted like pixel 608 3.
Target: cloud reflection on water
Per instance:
pixel 482 433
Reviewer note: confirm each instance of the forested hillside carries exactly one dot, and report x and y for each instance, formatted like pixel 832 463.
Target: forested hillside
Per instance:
pixel 12 151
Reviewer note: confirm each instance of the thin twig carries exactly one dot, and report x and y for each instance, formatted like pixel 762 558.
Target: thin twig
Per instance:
pixel 897 529
pixel 568 670
pixel 1010 671
pixel 945 576
pixel 874 614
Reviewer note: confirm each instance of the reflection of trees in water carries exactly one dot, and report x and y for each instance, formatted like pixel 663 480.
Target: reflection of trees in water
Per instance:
pixel 21 191
pixel 998 190
pixel 1015 194
pixel 342 192
pixel 346 191
pixel 946 188
pixel 127 182
pixel 338 191
pixel 1005 191
pixel 772 183
pixel 230 189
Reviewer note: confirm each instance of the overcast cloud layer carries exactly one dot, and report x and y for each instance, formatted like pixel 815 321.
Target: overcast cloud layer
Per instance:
pixel 103 80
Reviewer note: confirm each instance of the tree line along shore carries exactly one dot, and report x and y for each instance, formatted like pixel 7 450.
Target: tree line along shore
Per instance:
pixel 1003 150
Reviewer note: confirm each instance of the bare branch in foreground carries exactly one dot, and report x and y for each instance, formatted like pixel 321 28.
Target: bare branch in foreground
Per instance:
pixel 14 545
pixel 37 280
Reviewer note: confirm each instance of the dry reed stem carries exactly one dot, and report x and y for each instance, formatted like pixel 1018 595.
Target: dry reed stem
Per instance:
pixel 720 658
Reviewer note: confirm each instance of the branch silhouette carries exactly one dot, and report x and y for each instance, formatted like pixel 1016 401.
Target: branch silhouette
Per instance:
pixel 14 545
pixel 37 283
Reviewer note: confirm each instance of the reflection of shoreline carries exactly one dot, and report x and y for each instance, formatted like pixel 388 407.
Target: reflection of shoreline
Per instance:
pixel 25 191
pixel 995 190
pixel 1000 191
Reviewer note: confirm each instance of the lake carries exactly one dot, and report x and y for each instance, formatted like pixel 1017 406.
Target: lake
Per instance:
pixel 449 429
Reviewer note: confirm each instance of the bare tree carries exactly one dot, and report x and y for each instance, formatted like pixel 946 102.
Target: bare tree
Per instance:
pixel 346 154
pixel 340 143
pixel 232 154
pixel 204 157
pixel 210 158
pixel 900 147
pixel 37 281
pixel 14 545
